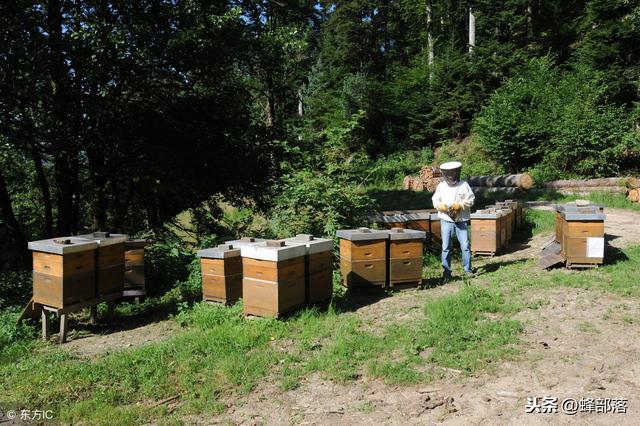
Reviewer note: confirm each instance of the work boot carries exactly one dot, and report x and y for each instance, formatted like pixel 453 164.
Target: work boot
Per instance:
pixel 446 275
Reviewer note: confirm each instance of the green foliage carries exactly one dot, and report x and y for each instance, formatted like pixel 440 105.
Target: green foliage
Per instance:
pixel 318 204
pixel 560 120
pixel 15 338
pixel 475 160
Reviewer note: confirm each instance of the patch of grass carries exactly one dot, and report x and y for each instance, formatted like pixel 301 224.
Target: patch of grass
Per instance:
pixel 540 221
pixel 219 352
pixel 462 335
pixel 587 327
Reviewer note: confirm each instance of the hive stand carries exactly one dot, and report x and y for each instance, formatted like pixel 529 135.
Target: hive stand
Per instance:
pixel 62 313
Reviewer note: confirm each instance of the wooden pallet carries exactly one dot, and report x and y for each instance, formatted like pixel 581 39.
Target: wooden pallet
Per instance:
pixel 219 301
pixel 399 285
pixel 483 253
pixel 62 313
pixel 582 265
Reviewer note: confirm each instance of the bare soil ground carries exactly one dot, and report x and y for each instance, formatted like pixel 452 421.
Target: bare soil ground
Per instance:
pixel 576 344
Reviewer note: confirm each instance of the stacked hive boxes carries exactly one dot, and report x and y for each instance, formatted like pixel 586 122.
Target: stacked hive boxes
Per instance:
pixel 63 271
pixel 581 235
pixel 363 254
pixel 134 278
pixel 405 256
pixel 486 232
pixel 318 274
pixel 221 273
pixel 420 220
pixel 394 221
pixel 273 277
pixel 109 262
pixel 436 233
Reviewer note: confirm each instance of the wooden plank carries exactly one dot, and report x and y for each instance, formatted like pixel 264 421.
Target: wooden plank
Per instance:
pixel 63 328
pixel 45 325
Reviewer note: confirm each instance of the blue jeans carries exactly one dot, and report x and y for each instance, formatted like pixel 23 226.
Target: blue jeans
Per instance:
pixel 461 230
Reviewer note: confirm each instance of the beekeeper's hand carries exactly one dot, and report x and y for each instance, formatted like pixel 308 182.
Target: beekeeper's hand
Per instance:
pixel 456 207
pixel 442 207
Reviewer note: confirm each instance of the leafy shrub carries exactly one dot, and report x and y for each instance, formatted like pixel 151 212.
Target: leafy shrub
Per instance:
pixel 475 160
pixel 559 121
pixel 15 288
pixel 11 331
pixel 318 204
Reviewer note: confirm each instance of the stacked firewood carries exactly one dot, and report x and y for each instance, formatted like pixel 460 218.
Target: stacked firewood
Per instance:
pixel 633 195
pixel 427 180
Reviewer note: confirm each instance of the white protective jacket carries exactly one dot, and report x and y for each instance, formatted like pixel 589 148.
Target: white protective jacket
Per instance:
pixel 461 194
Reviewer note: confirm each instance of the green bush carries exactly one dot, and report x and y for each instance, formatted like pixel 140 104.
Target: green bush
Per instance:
pixel 475 160
pixel 12 332
pixel 318 204
pixel 557 123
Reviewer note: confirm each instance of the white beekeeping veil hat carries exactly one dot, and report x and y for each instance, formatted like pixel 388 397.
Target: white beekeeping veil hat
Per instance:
pixel 451 172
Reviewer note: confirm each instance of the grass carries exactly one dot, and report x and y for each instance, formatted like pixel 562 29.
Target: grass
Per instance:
pixel 218 355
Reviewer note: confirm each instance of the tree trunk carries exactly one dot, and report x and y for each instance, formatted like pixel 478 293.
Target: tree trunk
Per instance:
pixel 63 148
pixel 612 181
pixel 522 180
pixel 430 52
pixel 472 30
pixel 44 189
pixel 10 221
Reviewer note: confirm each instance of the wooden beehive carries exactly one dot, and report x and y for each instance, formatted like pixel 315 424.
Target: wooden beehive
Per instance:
pixel 318 267
pixel 109 262
pixel 363 257
pixel 221 269
pixel 582 236
pixel 436 232
pixel 419 220
pixel 273 278
pixel 486 232
pixel 394 221
pixel 63 271
pixel 405 256
pixel 134 276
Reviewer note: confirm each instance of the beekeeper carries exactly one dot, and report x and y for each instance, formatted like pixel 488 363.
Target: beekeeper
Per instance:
pixel 453 200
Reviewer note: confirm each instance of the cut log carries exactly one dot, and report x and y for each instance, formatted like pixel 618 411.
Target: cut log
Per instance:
pixel 428 172
pixel 602 182
pixel 417 184
pixel 506 189
pixel 633 182
pixel 588 189
pixel 407 182
pixel 432 183
pixel 634 195
pixel 522 180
